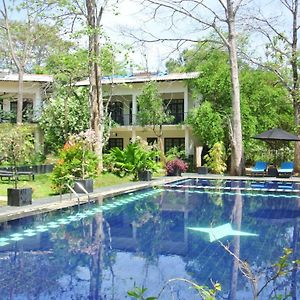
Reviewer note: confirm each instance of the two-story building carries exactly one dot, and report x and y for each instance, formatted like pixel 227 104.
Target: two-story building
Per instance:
pixel 124 91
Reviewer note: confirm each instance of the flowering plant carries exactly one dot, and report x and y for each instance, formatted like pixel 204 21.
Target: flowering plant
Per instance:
pixel 176 166
pixel 76 160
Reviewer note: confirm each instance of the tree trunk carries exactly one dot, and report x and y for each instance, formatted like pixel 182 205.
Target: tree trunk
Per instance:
pixel 20 96
pixel 237 161
pixel 162 150
pixel 96 259
pixel 95 72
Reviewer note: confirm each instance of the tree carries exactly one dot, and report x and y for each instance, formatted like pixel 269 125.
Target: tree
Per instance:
pixel 282 54
pixel 152 112
pixel 89 13
pixel 206 15
pixel 199 119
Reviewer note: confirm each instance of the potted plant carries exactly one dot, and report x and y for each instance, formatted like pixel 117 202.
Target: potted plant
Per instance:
pixel 136 159
pixel 77 164
pixel 16 146
pixel 175 167
pixel 146 165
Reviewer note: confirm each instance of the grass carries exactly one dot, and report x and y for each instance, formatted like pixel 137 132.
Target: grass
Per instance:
pixel 41 186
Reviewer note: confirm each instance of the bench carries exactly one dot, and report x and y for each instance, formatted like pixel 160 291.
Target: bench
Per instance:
pixel 10 175
pixel 7 174
pixel 26 173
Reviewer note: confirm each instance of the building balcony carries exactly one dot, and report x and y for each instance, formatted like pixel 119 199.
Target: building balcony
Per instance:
pixel 132 120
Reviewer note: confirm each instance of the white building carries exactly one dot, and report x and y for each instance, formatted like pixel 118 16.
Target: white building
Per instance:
pixel 124 92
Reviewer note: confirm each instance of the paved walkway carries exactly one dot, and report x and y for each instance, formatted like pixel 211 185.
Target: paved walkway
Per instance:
pixel 57 202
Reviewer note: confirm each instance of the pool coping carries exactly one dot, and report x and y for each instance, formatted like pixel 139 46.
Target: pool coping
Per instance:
pixel 9 213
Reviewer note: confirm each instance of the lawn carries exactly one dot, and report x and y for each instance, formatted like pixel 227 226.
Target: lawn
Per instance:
pixel 41 186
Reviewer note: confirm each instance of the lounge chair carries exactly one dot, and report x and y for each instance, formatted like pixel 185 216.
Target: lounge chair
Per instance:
pixel 286 169
pixel 260 168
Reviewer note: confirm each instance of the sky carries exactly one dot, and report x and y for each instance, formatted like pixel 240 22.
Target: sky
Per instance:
pixel 133 18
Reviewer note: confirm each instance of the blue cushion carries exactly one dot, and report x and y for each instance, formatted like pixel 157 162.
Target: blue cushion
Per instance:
pixel 260 166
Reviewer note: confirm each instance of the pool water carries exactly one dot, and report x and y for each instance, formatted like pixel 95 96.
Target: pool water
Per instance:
pixel 147 237
pixel 248 185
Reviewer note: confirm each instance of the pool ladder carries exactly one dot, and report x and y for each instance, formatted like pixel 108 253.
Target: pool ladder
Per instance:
pixel 81 187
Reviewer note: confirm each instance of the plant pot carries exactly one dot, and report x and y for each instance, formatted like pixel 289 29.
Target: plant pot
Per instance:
pixel 145 175
pixel 176 172
pixel 19 197
pixel 87 184
pixel 202 170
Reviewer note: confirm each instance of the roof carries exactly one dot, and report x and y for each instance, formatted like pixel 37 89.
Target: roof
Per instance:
pixel 27 77
pixel 140 78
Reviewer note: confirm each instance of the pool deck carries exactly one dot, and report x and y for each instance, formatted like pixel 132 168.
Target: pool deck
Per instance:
pixel 38 206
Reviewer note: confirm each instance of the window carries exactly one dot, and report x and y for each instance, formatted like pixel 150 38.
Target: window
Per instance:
pixel 174 142
pixel 176 108
pixel 13 111
pixel 116 111
pixel 115 142
pixel 26 112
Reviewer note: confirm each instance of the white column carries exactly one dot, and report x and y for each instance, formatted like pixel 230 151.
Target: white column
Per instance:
pixel 133 134
pixel 6 105
pixel 134 109
pixel 187 141
pixel 37 104
pixel 185 102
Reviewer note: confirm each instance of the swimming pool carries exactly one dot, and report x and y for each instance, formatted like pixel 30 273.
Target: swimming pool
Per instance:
pixel 146 237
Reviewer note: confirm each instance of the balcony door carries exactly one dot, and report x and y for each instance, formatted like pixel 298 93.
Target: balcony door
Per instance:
pixel 176 108
pixel 116 111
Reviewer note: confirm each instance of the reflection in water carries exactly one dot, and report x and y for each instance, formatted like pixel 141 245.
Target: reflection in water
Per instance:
pixel 145 242
pixel 236 221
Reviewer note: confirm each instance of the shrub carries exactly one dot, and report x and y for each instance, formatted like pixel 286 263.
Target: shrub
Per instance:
pixel 176 166
pixel 133 159
pixel 215 159
pixel 76 160
pixel 175 152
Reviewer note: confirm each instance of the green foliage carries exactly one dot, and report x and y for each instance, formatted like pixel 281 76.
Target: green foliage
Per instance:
pixel 151 107
pixel 16 145
pixel 60 118
pixel 71 66
pixel 175 152
pixel 76 160
pixel 202 117
pixel 33 43
pixel 133 159
pixel 139 294
pixel 204 292
pixel 68 67
pixel 215 159
pixel 264 102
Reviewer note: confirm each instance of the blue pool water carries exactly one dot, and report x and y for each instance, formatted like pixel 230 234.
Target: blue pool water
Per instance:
pixel 147 237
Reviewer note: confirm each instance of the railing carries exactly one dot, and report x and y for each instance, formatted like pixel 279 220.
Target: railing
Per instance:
pixel 72 191
pixel 131 119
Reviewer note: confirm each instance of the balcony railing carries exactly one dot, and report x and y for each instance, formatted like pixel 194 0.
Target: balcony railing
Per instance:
pixel 128 119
